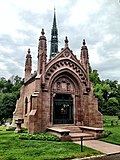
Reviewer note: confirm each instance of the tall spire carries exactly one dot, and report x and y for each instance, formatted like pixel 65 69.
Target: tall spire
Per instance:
pixel 54 38
pixel 54 20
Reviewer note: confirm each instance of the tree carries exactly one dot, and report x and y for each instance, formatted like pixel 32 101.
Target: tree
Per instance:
pixel 9 93
pixel 18 81
pixel 2 84
pixel 112 106
pixel 107 92
pixel 94 77
pixel 7 105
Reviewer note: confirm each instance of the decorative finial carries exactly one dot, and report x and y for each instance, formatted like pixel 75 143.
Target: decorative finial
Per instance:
pixel 42 32
pixel 28 50
pixel 54 9
pixel 66 40
pixel 84 43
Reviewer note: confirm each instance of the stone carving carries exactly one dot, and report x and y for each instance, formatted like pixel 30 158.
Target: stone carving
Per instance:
pixel 70 65
pixel 63 85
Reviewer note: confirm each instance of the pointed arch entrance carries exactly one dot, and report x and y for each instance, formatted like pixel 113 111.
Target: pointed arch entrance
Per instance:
pixel 65 98
pixel 63 109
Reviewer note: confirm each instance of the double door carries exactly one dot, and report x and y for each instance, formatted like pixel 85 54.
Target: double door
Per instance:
pixel 63 109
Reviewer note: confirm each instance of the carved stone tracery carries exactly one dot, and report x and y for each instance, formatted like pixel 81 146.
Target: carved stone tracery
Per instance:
pixel 63 85
pixel 70 65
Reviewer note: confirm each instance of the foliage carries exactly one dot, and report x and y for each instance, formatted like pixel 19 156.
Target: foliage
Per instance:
pixel 107 92
pixel 10 129
pixel 9 93
pixel 7 105
pixel 94 76
pixel 40 136
pixel 107 133
pixel 39 150
pixel 118 115
pixel 110 121
pixel 114 129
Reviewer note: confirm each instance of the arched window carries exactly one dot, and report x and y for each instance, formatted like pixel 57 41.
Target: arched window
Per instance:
pixel 30 102
pixel 26 105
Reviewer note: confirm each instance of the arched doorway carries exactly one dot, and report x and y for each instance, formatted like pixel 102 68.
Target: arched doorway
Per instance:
pixel 63 109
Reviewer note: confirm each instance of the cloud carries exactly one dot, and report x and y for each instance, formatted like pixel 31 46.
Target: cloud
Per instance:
pixel 97 21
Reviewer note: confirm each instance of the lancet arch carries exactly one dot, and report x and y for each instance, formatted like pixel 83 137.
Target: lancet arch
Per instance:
pixel 66 92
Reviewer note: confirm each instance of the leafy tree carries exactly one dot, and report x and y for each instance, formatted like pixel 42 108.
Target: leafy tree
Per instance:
pixel 7 105
pixel 2 84
pixel 9 93
pixel 18 81
pixel 113 106
pixel 107 92
pixel 94 77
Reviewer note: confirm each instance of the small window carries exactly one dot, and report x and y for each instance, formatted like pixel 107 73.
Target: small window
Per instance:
pixel 31 103
pixel 26 105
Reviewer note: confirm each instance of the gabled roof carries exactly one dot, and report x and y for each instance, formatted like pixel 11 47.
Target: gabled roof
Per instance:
pixel 65 53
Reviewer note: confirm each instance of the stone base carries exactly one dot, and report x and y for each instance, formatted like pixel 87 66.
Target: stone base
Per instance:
pixel 17 130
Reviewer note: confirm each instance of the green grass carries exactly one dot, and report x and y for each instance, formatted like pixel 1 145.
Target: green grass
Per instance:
pixel 115 129
pixel 13 148
pixel 107 120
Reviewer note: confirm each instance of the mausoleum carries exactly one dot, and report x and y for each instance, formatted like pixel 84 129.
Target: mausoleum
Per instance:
pixel 59 92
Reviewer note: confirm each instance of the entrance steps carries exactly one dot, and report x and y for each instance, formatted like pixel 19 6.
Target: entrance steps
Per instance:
pixel 77 136
pixel 76 132
pixel 72 128
pixel 69 132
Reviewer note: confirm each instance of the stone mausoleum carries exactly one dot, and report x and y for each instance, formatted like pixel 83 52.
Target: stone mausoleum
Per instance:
pixel 59 92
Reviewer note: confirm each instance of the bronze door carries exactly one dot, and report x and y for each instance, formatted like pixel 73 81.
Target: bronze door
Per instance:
pixel 63 109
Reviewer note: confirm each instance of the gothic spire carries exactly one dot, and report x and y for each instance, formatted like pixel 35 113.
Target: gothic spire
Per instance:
pixel 54 38
pixel 54 20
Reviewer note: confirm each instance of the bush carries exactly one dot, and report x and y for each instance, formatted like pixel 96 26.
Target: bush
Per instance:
pixel 107 133
pixel 24 130
pixel 10 129
pixel 40 136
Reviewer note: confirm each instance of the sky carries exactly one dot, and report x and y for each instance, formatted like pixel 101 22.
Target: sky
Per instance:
pixel 96 21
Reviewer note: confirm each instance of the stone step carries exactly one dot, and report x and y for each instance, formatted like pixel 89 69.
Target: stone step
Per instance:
pixel 85 138
pixel 77 136
pixel 69 132
pixel 60 132
pixel 72 128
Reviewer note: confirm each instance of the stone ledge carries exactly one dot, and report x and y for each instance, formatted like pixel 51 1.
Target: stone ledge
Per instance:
pixel 91 128
pixel 59 130
pixel 62 133
pixel 97 132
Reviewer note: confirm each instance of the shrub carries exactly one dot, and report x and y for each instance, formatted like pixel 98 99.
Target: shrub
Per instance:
pixel 40 136
pixel 107 133
pixel 24 130
pixel 10 129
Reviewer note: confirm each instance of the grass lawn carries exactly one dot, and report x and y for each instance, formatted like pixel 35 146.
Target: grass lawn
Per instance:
pixel 13 148
pixel 115 129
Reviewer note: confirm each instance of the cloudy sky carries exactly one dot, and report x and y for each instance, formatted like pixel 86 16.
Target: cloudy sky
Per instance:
pixel 97 21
